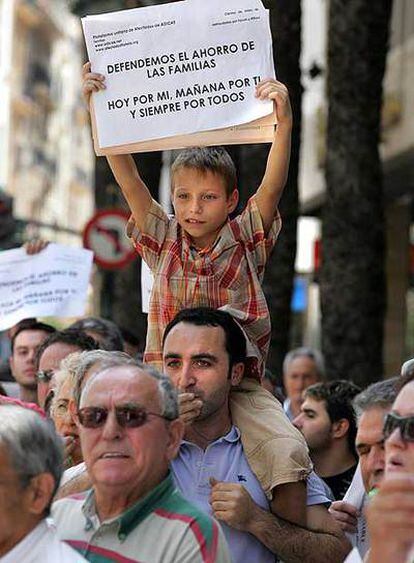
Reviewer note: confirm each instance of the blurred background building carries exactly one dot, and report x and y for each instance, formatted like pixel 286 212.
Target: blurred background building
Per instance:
pixel 46 157
pixel 397 150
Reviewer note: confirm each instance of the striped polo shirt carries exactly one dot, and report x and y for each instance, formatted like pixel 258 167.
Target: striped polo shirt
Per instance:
pixel 161 527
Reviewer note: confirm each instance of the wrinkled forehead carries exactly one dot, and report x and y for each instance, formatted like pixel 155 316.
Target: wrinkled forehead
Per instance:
pixel 371 424
pixel 120 385
pixel 404 403
pixel 188 339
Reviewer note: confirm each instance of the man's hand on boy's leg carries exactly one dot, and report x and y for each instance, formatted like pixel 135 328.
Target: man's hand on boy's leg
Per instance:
pixel 270 89
pixel 91 82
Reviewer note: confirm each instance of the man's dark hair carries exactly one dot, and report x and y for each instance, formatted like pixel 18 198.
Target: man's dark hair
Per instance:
pixel 337 396
pixel 130 337
pixel 208 159
pixel 235 339
pixel 31 325
pixel 110 335
pixel 69 336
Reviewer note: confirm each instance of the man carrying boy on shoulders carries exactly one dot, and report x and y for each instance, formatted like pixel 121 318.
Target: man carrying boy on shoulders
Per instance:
pixel 200 257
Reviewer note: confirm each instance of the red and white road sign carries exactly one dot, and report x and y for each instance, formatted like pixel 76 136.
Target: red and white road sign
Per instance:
pixel 104 234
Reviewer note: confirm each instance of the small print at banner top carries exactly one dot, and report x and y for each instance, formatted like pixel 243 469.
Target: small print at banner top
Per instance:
pixel 178 68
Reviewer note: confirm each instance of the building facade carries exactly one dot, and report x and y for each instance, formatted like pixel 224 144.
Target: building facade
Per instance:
pixel 46 161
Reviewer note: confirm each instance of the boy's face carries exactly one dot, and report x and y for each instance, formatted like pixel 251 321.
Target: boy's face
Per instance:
pixel 201 204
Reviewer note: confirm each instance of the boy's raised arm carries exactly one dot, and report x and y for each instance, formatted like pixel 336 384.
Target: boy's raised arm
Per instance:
pixel 274 179
pixel 123 166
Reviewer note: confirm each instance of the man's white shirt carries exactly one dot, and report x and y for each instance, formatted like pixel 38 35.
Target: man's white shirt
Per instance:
pixel 42 545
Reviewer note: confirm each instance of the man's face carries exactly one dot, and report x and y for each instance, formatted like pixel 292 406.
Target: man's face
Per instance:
pixel 399 454
pixel 22 359
pixel 314 423
pixel 63 419
pixel 370 446
pixel 201 204
pixel 12 505
pixel 49 363
pixel 126 459
pixel 300 373
pixel 196 360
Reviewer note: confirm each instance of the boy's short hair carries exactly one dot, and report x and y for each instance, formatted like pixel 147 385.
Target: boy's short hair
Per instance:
pixel 208 159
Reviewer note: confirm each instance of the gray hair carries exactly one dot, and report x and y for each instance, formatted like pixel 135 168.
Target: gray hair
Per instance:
pixel 167 393
pixel 97 358
pixel 32 445
pixel 381 394
pixel 407 367
pixel 305 352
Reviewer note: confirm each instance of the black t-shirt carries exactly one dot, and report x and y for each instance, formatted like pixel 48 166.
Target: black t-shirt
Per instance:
pixel 339 484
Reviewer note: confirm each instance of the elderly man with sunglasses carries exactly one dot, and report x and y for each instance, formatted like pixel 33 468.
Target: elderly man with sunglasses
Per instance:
pixel 129 432
pixel 390 513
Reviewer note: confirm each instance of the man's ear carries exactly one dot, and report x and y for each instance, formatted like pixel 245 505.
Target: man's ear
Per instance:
pixel 340 428
pixel 233 200
pixel 237 372
pixel 40 491
pixel 176 432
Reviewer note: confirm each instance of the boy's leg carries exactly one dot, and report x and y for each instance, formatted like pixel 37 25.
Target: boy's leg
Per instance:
pixel 276 451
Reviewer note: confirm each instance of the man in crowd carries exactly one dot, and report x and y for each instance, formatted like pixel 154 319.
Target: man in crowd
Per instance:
pixel 105 332
pixel 301 367
pixel 204 353
pixel 52 351
pixel 390 513
pixel 328 423
pixel 25 342
pixel 371 406
pixel 130 430
pixel 30 470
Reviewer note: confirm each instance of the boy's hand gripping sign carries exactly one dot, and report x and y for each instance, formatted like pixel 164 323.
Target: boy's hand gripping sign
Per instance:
pixel 180 74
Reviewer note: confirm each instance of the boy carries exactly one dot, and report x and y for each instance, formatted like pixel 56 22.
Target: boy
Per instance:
pixel 200 257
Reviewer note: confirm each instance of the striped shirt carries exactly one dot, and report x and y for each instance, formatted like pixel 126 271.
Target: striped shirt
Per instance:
pixel 226 275
pixel 159 528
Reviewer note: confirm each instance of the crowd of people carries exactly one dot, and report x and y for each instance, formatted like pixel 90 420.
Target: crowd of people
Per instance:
pixel 145 466
pixel 187 454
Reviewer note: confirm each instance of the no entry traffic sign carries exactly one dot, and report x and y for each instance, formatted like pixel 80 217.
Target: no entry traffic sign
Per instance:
pixel 104 234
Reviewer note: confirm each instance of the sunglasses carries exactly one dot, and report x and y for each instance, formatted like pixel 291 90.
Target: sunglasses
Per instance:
pixel 126 417
pixel 404 423
pixel 44 376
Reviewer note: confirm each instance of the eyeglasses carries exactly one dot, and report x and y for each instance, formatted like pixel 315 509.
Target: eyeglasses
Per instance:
pixel 126 416
pixel 404 423
pixel 44 376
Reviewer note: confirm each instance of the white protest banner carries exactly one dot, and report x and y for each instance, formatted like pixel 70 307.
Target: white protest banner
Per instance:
pixel 51 283
pixel 177 69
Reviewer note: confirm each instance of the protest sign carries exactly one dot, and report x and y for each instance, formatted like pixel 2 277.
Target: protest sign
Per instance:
pixel 51 283
pixel 180 74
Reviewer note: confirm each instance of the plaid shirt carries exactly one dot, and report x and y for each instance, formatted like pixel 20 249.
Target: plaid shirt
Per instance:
pixel 227 275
